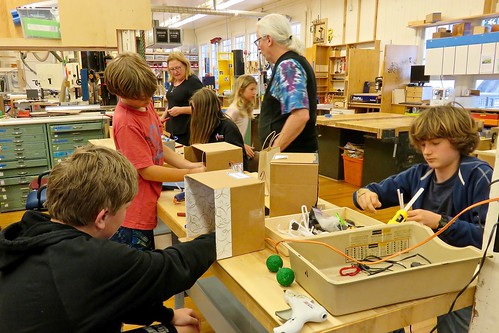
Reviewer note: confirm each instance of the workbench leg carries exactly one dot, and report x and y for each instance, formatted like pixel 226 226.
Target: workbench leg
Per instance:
pixel 178 299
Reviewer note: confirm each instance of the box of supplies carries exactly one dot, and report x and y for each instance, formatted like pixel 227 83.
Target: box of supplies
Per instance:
pixel 278 228
pixel 407 277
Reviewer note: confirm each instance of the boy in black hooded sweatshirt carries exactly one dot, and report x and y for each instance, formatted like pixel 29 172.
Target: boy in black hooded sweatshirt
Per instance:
pixel 60 273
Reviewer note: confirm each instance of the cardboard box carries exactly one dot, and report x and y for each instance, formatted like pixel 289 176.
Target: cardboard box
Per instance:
pixel 442 34
pixel 229 203
pixel 480 29
pixel 461 29
pixel 274 225
pixel 216 156
pixel 317 268
pixel 294 179
pixel 433 17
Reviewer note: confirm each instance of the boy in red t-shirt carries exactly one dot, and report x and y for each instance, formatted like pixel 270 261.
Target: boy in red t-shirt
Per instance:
pixel 137 134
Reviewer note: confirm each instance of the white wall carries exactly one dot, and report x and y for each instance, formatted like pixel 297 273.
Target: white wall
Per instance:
pixel 392 19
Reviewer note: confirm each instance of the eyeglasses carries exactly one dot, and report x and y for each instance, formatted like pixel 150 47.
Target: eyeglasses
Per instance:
pixel 174 69
pixel 257 41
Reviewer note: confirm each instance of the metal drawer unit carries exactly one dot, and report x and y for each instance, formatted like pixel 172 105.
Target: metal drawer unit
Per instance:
pixel 64 138
pixel 23 155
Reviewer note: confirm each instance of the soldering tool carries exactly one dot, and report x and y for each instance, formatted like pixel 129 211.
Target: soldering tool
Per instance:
pixel 401 214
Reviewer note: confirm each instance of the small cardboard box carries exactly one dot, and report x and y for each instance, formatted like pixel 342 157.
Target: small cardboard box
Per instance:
pixel 317 268
pixel 433 17
pixel 480 29
pixel 461 29
pixel 229 203
pixel 441 34
pixel 216 156
pixel 294 179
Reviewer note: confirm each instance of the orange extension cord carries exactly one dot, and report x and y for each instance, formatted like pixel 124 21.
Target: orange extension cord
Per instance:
pixel 424 241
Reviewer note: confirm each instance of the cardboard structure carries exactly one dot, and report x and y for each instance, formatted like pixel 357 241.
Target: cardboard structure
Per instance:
pixel 229 203
pixel 294 181
pixel 216 156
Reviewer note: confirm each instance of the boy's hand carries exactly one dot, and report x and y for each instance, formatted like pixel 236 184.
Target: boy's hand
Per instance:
pixel 186 320
pixel 368 200
pixel 425 217
pixel 201 168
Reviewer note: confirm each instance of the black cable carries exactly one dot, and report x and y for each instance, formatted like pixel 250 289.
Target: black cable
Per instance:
pixel 482 262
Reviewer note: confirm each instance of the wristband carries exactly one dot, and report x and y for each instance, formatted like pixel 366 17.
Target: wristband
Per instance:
pixel 443 221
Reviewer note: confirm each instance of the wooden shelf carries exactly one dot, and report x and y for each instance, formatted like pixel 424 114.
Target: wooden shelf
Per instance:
pixel 454 21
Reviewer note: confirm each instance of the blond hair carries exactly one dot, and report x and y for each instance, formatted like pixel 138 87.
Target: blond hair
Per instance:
pixel 447 122
pixel 91 179
pixel 129 76
pixel 244 107
pixel 206 115
pixel 179 56
pixel 278 27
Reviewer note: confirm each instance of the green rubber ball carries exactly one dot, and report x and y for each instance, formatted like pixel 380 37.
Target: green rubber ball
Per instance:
pixel 274 262
pixel 285 276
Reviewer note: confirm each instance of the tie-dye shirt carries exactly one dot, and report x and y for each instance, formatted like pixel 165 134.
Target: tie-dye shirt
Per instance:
pixel 289 86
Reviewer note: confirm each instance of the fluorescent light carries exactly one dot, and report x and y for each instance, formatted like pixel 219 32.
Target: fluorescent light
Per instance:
pixel 187 20
pixel 229 3
pixel 223 5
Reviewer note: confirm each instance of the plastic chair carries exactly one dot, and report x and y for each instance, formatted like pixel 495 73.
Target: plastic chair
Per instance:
pixel 37 197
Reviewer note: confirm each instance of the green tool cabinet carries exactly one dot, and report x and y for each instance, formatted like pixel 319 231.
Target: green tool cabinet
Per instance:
pixel 27 150
pixel 64 138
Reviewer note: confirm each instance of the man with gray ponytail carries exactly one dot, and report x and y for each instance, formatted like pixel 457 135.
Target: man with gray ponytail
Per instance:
pixel 289 105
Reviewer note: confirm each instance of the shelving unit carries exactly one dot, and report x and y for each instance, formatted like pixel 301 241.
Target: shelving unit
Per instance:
pixel 341 70
pixel 317 55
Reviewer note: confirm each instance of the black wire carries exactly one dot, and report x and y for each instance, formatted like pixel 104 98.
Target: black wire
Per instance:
pixel 482 262
pixel 493 182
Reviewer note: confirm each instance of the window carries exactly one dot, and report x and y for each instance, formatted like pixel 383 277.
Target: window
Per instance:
pixel 253 50
pixel 489 93
pixel 204 61
pixel 296 29
pixel 214 62
pixel 239 43
pixel 226 45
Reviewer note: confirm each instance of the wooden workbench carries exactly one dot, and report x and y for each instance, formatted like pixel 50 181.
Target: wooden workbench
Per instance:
pixel 385 138
pixel 248 279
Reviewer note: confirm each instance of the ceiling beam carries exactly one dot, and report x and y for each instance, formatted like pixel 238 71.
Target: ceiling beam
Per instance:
pixel 206 11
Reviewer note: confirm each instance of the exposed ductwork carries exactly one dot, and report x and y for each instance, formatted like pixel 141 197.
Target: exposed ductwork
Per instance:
pixel 205 11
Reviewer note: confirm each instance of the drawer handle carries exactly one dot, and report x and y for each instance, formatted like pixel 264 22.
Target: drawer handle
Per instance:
pixel 24 196
pixel 76 133
pixel 77 127
pixel 77 139
pixel 20 157
pixel 18 149
pixel 17 133
pixel 22 173
pixel 18 141
pixel 24 188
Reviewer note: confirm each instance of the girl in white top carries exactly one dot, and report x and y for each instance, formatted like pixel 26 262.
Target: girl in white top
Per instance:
pixel 241 108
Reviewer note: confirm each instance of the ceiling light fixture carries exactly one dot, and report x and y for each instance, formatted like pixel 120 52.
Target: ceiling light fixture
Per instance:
pixel 199 12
